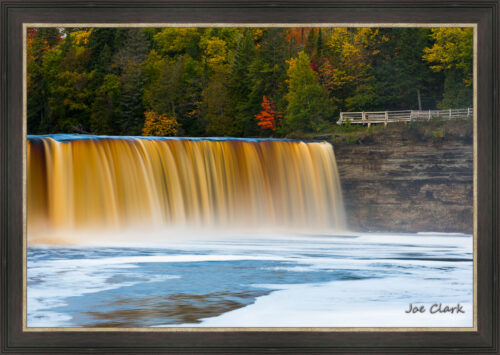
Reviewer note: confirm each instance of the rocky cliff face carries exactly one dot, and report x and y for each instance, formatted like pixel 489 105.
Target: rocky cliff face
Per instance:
pixel 400 181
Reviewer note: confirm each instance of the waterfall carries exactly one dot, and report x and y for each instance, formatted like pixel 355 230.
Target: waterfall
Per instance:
pixel 80 182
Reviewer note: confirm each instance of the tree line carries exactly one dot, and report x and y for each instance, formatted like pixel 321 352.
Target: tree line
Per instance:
pixel 241 82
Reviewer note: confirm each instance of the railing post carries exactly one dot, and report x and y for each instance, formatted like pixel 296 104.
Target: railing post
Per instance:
pixel 401 116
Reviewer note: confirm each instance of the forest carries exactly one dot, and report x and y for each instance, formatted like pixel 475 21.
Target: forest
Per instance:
pixel 239 82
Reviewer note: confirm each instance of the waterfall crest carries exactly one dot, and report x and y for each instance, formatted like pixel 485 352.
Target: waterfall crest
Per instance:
pixel 79 182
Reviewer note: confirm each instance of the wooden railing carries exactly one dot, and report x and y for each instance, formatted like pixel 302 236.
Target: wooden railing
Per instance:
pixel 387 117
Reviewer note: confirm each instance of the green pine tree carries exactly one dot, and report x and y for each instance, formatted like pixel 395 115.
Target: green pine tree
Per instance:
pixel 128 60
pixel 308 108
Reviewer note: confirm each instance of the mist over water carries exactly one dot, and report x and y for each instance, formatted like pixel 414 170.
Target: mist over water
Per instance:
pixel 215 232
pixel 97 183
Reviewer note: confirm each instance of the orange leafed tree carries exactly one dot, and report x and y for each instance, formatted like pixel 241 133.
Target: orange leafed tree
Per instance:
pixel 156 124
pixel 268 118
pixel 298 34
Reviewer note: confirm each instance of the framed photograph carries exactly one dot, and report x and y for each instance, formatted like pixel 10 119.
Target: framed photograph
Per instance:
pixel 249 177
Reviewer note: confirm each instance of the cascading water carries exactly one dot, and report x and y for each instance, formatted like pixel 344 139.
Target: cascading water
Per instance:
pixel 80 182
pixel 216 232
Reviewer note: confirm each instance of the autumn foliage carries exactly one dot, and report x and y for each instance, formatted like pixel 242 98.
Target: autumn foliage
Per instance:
pixel 268 118
pixel 156 124
pixel 220 81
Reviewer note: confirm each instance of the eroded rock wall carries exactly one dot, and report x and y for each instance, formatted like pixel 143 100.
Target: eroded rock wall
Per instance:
pixel 393 182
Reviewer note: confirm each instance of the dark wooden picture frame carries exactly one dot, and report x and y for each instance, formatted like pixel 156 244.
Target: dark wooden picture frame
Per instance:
pixel 485 14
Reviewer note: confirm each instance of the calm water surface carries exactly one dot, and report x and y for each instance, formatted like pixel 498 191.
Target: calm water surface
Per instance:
pixel 320 280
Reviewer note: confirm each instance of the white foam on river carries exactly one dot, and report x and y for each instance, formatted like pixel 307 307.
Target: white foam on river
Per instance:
pixel 384 274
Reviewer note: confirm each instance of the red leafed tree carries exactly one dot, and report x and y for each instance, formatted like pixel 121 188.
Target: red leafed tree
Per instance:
pixel 268 118
pixel 314 65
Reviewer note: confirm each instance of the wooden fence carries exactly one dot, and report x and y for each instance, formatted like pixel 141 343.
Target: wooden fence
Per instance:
pixel 387 117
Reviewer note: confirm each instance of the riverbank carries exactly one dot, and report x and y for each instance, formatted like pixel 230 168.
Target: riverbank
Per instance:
pixel 407 178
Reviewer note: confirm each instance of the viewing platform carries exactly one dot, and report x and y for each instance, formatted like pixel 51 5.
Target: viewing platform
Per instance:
pixel 387 117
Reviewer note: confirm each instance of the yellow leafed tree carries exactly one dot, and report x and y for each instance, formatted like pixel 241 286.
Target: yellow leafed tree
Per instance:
pixel 156 124
pixel 81 38
pixel 452 50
